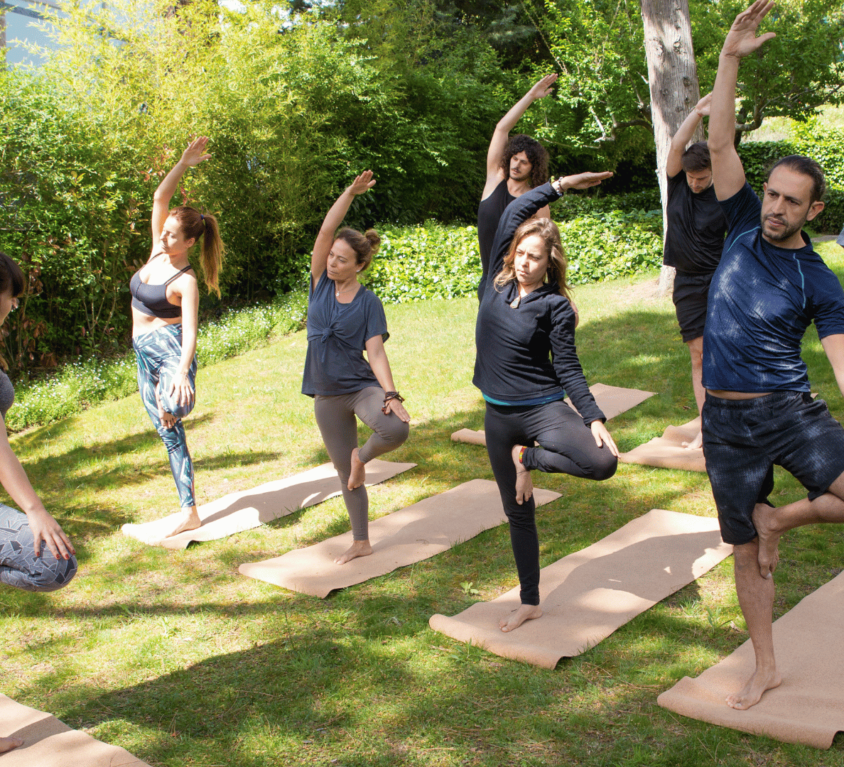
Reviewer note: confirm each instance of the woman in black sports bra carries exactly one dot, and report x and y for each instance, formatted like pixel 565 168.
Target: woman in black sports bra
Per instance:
pixel 165 315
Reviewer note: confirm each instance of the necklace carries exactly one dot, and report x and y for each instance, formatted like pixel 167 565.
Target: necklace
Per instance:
pixel 338 293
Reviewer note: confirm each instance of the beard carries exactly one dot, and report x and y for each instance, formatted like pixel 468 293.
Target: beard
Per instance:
pixel 516 176
pixel 783 234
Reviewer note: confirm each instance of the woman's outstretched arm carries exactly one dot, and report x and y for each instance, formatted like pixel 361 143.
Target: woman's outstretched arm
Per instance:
pixel 193 155
pixel 332 221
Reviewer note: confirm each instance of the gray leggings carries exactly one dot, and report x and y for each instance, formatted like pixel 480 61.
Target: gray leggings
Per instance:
pixel 335 416
pixel 19 567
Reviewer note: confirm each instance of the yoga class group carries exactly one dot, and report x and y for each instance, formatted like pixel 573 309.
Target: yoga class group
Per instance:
pixel 748 285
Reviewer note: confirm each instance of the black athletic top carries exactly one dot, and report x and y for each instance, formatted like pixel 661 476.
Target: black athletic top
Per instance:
pixel 527 353
pixel 152 299
pixel 489 213
pixel 696 228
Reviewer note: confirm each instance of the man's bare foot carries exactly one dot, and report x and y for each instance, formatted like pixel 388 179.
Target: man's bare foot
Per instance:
pixel 516 619
pixel 752 692
pixel 524 481
pixel 696 443
pixel 357 549
pixel 358 474
pixel 9 744
pixel 154 533
pixel 769 538
pixel 167 419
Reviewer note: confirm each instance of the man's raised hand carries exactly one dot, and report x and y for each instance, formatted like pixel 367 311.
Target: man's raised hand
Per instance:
pixel 741 40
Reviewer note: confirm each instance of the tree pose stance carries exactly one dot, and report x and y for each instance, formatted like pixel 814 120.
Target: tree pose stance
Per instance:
pixel 35 554
pixel 526 363
pixel 344 320
pixel 769 287
pixel 165 315
pixel 694 238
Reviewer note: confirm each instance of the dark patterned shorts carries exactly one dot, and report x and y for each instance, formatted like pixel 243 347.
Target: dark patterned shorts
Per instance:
pixel 691 292
pixel 744 439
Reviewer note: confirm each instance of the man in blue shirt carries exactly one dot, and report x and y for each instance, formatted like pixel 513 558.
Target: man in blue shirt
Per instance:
pixel 769 287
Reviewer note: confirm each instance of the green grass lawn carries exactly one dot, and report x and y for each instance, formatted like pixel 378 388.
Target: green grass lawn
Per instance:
pixel 177 658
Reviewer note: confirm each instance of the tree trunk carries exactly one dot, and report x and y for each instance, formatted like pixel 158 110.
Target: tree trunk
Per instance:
pixel 672 76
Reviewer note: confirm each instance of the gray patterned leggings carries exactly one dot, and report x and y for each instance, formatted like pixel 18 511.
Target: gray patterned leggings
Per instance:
pixel 335 416
pixel 158 354
pixel 19 567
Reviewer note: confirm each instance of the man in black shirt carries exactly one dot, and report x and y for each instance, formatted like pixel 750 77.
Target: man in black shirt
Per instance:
pixel 694 238
pixel 513 166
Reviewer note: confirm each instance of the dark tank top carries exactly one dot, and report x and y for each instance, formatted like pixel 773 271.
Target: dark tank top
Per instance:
pixel 152 299
pixel 489 212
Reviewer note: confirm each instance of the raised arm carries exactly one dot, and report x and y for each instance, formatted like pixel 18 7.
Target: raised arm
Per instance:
pixel 741 41
pixel 332 221
pixel 193 155
pixel 684 134
pixel 501 135
pixel 522 208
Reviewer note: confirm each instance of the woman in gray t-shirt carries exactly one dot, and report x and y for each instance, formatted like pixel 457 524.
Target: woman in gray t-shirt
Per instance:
pixel 35 554
pixel 344 320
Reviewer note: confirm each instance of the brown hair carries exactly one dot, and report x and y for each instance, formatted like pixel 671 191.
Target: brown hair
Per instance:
pixel 195 225
pixel 364 245
pixel 697 158
pixel 536 154
pixel 808 167
pixel 11 277
pixel 557 265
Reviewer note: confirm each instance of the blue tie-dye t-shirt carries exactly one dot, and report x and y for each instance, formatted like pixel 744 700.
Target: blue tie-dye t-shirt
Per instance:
pixel 761 301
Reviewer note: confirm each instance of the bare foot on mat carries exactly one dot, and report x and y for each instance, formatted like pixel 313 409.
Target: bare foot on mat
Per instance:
pixel 153 534
pixel 752 692
pixel 357 549
pixel 517 618
pixel 9 744
pixel 358 474
pixel 769 538
pixel 696 443
pixel 524 481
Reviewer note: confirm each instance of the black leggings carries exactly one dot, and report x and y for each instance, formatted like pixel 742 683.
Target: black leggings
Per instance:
pixel 566 447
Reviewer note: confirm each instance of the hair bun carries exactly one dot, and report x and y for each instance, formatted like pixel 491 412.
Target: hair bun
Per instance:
pixel 374 240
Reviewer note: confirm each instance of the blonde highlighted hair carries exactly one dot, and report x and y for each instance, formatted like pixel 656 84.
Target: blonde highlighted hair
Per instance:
pixel 198 225
pixel 557 264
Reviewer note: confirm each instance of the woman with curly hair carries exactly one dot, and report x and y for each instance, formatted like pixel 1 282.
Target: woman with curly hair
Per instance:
pixel 344 320
pixel 526 364
pixel 165 315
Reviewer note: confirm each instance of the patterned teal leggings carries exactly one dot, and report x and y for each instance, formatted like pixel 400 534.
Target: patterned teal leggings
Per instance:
pixel 158 354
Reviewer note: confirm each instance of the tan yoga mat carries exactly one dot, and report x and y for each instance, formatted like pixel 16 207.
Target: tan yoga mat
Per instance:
pixel 667 451
pixel 808 707
pixel 47 742
pixel 589 594
pixel 410 535
pixel 613 400
pixel 248 509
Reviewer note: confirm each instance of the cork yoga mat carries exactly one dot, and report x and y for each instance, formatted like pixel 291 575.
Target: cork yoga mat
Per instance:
pixel 410 535
pixel 613 401
pixel 587 595
pixel 808 707
pixel 47 742
pixel 667 451
pixel 248 509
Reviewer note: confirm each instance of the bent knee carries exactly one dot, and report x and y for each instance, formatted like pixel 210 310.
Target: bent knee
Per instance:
pixel 57 577
pixel 398 433
pixel 605 468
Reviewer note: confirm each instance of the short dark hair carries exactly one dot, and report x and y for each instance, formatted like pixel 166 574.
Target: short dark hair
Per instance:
pixel 536 154
pixel 696 158
pixel 11 277
pixel 808 167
